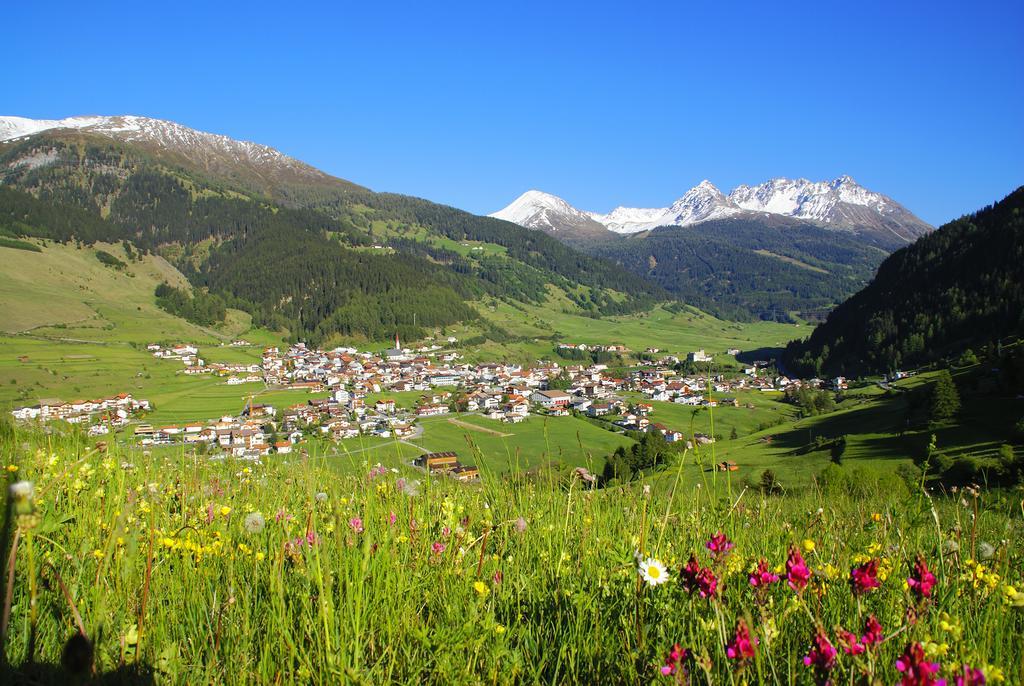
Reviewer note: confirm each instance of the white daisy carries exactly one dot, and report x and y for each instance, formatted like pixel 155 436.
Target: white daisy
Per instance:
pixel 653 571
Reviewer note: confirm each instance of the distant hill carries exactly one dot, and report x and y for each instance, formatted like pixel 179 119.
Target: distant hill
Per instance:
pixel 295 247
pixel 745 268
pixel 961 286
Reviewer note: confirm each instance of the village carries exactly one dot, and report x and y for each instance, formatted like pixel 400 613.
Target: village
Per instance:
pixel 344 378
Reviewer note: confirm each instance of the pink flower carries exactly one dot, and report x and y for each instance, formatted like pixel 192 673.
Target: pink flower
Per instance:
pixel 446 532
pixel 762 577
pixel 822 656
pixel 675 663
pixel 921 580
pixel 392 518
pixel 873 633
pixel 210 516
pixel 356 525
pixel 916 670
pixel 970 676
pixel 743 646
pixel 797 572
pixel 498 578
pixel 850 644
pixel 437 548
pixel 697 579
pixel 520 525
pixel 864 579
pixel 720 546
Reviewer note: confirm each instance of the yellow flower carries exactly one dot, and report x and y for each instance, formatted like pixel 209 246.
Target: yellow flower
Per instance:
pixel 260 556
pixel 481 588
pixel 12 468
pixel 225 511
pixel 499 629
pixel 98 554
pixel 809 545
pixel 876 517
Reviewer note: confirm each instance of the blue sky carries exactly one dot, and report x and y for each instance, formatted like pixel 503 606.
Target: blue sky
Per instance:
pixel 604 104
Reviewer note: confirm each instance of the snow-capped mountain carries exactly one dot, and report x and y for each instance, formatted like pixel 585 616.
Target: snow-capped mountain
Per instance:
pixel 539 210
pixel 211 151
pixel 839 204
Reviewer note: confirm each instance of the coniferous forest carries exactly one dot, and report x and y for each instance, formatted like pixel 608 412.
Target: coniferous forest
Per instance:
pixel 959 287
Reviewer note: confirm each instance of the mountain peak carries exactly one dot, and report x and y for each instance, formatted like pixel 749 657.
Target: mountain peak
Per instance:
pixel 536 209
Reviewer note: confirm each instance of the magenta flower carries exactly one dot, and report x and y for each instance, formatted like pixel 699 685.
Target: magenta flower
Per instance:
pixel 437 548
pixel 921 580
pixel 743 646
pixel 864 579
pixel 797 572
pixel 850 644
pixel 697 579
pixel 916 670
pixel 873 633
pixel 763 576
pixel 675 663
pixel 356 524
pixel 720 546
pixel 392 518
pixel 970 676
pixel 822 656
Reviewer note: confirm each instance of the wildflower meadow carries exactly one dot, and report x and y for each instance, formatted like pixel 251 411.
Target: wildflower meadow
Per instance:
pixel 177 569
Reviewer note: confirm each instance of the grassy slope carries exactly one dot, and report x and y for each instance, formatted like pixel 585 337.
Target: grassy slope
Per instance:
pixel 83 327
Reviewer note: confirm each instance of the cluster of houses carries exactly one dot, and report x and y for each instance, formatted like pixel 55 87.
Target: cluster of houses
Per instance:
pixel 447 463
pixel 101 415
pixel 186 353
pixel 613 348
pixel 347 377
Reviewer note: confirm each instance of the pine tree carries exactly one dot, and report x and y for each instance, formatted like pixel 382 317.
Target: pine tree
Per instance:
pixel 945 400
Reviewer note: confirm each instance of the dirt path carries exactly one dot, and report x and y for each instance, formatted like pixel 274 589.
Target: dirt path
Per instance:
pixel 481 429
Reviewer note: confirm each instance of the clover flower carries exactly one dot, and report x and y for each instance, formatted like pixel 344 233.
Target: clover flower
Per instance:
pixel 356 524
pixel 873 632
pixel 921 581
pixel 742 646
pixel 763 576
pixel 675 663
pixel 970 676
pixel 719 546
pixel 697 579
pixel 864 578
pixel 797 572
pixel 821 656
pixel 916 669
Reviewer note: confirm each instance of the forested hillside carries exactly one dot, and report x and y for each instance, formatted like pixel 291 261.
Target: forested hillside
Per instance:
pixel 961 286
pixel 744 269
pixel 303 258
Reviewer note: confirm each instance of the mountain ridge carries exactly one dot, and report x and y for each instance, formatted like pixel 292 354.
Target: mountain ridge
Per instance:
pixel 839 204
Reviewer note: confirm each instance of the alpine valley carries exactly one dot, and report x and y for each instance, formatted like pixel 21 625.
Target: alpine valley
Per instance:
pixel 772 251
pixel 299 250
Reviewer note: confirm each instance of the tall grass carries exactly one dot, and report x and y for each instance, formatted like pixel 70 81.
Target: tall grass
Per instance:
pixel 378 578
